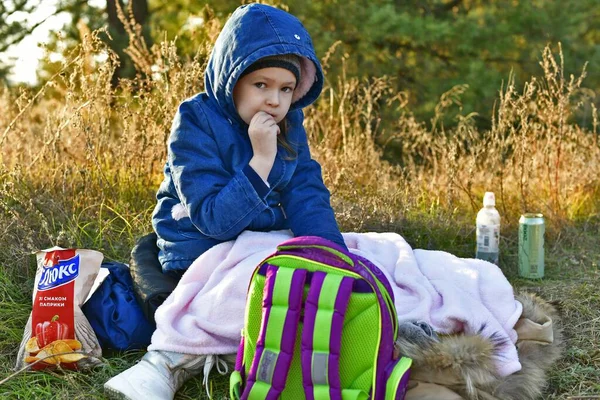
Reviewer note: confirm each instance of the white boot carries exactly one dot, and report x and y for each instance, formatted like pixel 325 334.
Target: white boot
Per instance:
pixel 157 376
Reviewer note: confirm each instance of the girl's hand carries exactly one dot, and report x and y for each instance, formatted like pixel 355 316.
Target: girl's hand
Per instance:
pixel 263 131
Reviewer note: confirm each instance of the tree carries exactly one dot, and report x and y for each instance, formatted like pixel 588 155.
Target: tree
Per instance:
pixel 14 27
pixel 137 11
pixel 431 46
pixel 427 46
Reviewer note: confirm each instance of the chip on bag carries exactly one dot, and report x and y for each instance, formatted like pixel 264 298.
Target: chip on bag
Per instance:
pixel 57 332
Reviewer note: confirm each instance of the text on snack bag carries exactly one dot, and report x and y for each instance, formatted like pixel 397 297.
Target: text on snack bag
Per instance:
pixel 63 272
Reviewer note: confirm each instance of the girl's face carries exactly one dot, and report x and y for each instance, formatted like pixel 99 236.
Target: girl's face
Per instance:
pixel 268 89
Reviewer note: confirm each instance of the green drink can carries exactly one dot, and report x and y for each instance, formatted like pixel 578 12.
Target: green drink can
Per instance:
pixel 531 246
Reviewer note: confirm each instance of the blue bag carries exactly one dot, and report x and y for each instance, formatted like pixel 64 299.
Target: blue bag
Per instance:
pixel 115 314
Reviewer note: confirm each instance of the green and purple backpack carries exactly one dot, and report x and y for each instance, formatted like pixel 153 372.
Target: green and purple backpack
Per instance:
pixel 320 323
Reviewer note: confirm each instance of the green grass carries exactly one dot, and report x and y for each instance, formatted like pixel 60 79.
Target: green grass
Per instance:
pixel 85 175
pixel 578 372
pixel 572 278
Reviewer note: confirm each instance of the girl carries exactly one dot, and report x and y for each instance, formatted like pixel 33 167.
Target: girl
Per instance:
pixel 238 159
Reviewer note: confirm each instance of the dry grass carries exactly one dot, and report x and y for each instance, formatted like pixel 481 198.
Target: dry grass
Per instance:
pixel 81 162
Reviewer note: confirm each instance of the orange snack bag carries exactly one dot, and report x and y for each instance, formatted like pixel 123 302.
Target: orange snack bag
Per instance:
pixel 57 332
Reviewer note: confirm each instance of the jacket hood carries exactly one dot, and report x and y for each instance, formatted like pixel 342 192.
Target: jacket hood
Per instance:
pixel 252 32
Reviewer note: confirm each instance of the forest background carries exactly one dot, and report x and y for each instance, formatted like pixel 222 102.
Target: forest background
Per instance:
pixel 427 105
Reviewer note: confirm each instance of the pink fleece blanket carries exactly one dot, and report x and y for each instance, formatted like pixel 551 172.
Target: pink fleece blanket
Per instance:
pixel 205 313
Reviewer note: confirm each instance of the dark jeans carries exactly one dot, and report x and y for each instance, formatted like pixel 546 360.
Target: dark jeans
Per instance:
pixel 151 285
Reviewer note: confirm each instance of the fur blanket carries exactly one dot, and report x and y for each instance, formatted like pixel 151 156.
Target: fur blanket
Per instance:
pixel 461 366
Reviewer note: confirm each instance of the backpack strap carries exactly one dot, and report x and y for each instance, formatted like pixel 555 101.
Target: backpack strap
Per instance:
pixel 237 377
pixel 397 381
pixel 324 312
pixel 282 303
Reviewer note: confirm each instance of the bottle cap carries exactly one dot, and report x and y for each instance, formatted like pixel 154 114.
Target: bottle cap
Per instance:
pixel 489 199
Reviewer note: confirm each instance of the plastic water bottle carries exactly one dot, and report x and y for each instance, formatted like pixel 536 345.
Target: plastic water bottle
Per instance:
pixel 488 230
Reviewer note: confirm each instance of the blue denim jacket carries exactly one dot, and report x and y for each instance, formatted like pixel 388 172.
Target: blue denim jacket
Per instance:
pixel 209 193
